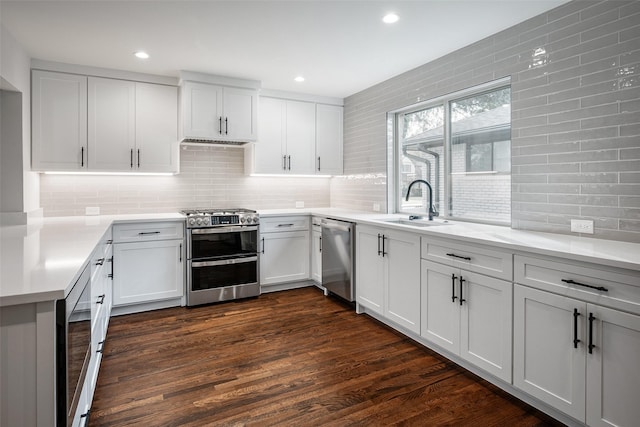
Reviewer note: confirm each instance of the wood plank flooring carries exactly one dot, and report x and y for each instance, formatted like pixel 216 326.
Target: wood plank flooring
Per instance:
pixel 283 359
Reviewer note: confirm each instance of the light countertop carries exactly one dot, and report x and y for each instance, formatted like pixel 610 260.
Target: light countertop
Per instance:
pixel 42 261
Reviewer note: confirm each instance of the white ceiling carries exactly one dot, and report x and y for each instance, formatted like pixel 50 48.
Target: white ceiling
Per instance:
pixel 341 47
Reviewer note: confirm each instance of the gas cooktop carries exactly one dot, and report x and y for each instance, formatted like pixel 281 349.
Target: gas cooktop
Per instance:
pixel 217 217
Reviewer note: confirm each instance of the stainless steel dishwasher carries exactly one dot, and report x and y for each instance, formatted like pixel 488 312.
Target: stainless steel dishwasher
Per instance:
pixel 337 257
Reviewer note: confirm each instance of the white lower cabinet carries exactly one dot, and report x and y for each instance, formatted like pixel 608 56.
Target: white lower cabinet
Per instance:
pixel 578 357
pixel 148 271
pixel 468 314
pixel 284 257
pixel 316 254
pixel 388 274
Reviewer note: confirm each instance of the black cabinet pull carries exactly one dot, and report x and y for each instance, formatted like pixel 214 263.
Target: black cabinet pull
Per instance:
pixel 289 160
pixel 459 256
pixel 220 125
pixel 453 288
pixel 180 259
pixel 131 156
pixel 82 157
pixel 591 345
pixel 138 158
pixel 576 313
pixel 262 245
pixel 109 242
pixel 144 233
pixel 461 282
pixel 318 163
pixel 320 243
pixel 226 126
pixel 100 299
pixel 383 252
pixel 112 263
pixel 101 348
pixel 573 282
pixel 86 415
pixel 379 252
pixel 100 261
pixel 284 162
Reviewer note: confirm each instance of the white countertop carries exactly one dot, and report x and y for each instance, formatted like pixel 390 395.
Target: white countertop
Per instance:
pixel 42 261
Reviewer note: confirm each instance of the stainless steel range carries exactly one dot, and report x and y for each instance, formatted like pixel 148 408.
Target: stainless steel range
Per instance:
pixel 222 255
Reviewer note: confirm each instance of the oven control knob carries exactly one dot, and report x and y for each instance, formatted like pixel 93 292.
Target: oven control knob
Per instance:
pixel 192 221
pixel 205 220
pixel 255 219
pixel 199 221
pixel 243 219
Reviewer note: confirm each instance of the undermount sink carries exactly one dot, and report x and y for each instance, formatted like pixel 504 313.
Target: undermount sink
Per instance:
pixel 415 222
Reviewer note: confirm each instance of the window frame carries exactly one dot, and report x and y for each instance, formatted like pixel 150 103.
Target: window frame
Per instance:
pixel 394 148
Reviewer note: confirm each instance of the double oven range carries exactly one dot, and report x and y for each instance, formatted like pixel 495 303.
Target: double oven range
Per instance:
pixel 222 255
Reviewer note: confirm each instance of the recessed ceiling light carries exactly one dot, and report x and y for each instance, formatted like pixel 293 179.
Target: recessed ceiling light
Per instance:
pixel 141 54
pixel 390 18
pixel 299 79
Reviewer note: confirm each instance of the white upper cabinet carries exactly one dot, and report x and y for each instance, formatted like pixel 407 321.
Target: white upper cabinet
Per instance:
pixel 112 124
pixel 297 137
pixel 156 128
pixel 103 124
pixel 329 119
pixel 59 121
pixel 217 113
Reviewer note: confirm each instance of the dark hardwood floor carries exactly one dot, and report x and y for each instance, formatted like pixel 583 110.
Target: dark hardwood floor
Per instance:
pixel 286 358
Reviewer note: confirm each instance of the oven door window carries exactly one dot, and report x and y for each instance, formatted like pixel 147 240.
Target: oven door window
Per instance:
pixel 218 274
pixel 223 244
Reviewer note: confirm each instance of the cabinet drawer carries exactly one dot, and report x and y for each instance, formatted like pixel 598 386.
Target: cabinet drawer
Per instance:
pixel 284 223
pixel 143 232
pixel 622 286
pixel 479 259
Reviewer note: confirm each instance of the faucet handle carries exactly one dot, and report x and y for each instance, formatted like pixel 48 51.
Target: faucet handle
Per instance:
pixel 412 217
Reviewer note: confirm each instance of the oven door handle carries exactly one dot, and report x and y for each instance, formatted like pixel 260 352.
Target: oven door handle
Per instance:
pixel 219 230
pixel 223 262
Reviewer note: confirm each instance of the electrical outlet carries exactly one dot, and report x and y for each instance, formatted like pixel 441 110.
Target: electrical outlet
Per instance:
pixel 376 207
pixel 299 204
pixel 582 226
pixel 92 210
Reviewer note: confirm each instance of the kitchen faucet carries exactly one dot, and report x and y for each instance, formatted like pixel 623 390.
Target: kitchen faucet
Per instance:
pixel 432 212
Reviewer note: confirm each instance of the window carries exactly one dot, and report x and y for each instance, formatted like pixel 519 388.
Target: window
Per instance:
pixel 461 145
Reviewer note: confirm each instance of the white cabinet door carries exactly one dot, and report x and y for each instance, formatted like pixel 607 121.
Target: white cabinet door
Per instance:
pixel 613 377
pixel 201 111
pixel 284 257
pixel 440 306
pixel 58 121
pixel 147 271
pixel 156 128
pixel 547 363
pixel 316 256
pixel 369 268
pixel 329 124
pixel 240 114
pixel 269 151
pixel 300 137
pixel 402 298
pixel 486 323
pixel 111 123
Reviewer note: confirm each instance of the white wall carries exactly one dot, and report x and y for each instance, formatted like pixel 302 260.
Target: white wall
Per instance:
pixel 15 70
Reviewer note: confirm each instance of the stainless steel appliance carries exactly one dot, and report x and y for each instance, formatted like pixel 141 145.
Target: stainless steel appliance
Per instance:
pixel 73 347
pixel 337 257
pixel 222 255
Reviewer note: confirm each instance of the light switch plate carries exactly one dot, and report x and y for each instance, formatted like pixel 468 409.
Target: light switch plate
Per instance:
pixel 582 226
pixel 92 210
pixel 299 204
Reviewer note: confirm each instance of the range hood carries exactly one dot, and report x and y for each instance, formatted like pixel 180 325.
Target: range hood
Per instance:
pixel 214 143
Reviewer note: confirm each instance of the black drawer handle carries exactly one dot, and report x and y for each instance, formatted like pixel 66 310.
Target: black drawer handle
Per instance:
pixel 101 348
pixel 576 313
pixel 379 251
pixel 453 288
pixel 100 299
pixel 459 256
pixel 262 245
pixel 100 261
pixel 591 345
pixel 148 232
pixel 573 282
pixel 461 282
